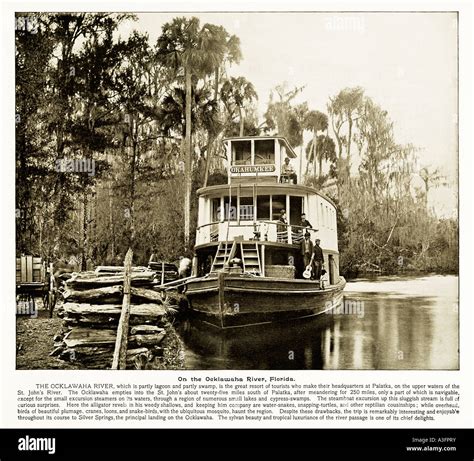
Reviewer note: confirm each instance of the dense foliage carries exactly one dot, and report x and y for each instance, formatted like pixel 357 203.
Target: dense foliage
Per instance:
pixel 114 136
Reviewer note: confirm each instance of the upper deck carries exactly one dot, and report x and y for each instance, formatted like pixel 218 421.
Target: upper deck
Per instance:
pixel 260 158
pixel 260 186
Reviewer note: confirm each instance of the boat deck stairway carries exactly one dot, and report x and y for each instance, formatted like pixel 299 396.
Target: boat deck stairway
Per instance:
pixel 250 257
pixel 223 254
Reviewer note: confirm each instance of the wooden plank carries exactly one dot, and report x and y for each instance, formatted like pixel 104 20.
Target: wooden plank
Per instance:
pixel 176 283
pixel 145 329
pixel 88 337
pixel 29 268
pixel 119 269
pixel 145 310
pixel 153 339
pixel 23 269
pixel 149 295
pixel 119 361
pixel 104 294
pixel 137 278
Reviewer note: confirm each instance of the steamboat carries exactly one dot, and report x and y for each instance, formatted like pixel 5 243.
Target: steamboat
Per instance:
pixel 250 259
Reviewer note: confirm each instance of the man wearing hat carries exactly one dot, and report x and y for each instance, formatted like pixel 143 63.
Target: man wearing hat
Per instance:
pixel 288 172
pixel 306 249
pixel 317 260
pixel 304 221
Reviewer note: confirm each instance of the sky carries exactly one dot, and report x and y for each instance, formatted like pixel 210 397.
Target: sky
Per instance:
pixel 406 62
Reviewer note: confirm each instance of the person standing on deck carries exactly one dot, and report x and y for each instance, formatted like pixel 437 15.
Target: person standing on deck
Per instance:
pixel 282 227
pixel 324 280
pixel 317 260
pixel 304 224
pixel 306 249
pixel 304 221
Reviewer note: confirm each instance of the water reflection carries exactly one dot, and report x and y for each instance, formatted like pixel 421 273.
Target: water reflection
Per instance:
pixel 404 323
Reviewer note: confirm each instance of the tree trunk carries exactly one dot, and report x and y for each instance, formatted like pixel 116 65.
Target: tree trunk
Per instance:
pixel 300 177
pixel 338 139
pixel 349 138
pixel 111 224
pixel 216 83
pixel 208 160
pixel 131 211
pixel 188 163
pixel 241 118
pixel 84 232
pixel 315 154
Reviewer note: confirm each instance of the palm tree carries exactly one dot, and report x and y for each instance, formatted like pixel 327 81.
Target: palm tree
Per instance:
pixel 431 178
pixel 315 121
pixel 236 92
pixel 188 49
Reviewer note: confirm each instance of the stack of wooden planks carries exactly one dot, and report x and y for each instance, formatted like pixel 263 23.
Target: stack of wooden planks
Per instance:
pixel 94 303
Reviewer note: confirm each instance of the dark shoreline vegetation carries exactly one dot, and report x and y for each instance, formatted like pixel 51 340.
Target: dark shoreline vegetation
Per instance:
pixel 114 137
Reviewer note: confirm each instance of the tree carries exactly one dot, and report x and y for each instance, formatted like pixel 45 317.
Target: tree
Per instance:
pixel 315 121
pixel 138 86
pixel 54 58
pixel 345 109
pixel 376 144
pixel 193 53
pixel 431 177
pixel 280 117
pixel 235 92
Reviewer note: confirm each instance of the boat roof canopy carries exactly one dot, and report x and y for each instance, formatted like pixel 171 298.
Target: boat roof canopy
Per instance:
pixel 289 150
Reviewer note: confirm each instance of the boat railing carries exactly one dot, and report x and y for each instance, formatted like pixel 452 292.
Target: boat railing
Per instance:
pixel 264 230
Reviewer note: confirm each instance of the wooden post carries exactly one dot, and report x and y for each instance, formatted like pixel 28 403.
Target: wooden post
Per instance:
pixel 162 273
pixel 120 352
pixel 222 307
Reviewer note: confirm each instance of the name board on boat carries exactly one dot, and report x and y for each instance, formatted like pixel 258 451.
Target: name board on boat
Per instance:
pixel 252 169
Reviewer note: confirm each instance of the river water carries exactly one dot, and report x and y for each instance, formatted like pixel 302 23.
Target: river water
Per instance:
pixel 395 323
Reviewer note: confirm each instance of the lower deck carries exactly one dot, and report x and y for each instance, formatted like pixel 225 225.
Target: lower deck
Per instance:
pixel 259 258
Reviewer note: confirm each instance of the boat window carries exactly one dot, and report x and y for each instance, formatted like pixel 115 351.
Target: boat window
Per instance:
pixel 263 207
pixel 230 212
pixel 278 204
pixel 241 152
pixel 265 152
pixel 246 208
pixel 216 210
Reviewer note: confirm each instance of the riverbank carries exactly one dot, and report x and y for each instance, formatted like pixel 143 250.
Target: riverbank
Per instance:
pixel 36 337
